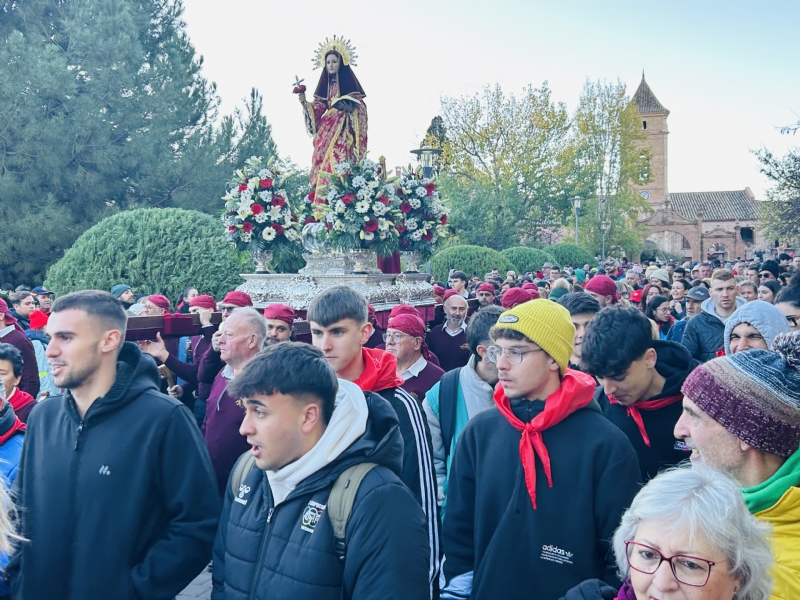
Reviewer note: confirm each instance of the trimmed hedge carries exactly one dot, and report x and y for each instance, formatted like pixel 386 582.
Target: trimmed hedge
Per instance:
pixel 570 255
pixel 156 250
pixel 468 259
pixel 524 258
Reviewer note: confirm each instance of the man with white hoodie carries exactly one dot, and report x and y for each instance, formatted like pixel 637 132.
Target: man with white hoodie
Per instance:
pixel 704 333
pixel 275 538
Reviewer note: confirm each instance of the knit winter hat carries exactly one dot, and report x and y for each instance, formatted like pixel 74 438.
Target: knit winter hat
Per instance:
pixel 557 293
pixel 119 289
pixel 767 319
pixel 771 266
pixel 485 287
pixel 37 319
pixel 753 394
pixel 547 324
pixel 661 274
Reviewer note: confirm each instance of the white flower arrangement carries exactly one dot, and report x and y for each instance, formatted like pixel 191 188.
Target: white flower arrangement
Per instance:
pixel 257 214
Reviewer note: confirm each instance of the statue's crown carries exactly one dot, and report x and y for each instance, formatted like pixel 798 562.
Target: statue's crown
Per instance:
pixel 341 45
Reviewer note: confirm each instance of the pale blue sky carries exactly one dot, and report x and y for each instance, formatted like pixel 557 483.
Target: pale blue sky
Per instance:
pixel 729 72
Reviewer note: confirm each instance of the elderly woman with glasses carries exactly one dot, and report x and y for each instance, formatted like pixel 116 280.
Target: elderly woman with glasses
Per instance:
pixel 688 536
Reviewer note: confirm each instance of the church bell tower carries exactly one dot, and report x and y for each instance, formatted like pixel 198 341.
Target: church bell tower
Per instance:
pixel 654 124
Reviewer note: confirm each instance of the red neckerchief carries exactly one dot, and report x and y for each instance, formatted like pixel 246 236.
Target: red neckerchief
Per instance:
pixel 19 399
pixel 17 427
pixel 634 410
pixel 380 371
pixel 576 392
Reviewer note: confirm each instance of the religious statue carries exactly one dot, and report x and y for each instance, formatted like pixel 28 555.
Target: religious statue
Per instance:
pixel 337 116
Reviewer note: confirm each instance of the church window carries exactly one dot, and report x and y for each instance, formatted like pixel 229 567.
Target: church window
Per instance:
pixel 644 124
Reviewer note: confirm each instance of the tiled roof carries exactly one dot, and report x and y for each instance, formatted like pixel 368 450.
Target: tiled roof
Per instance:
pixel 646 100
pixel 716 206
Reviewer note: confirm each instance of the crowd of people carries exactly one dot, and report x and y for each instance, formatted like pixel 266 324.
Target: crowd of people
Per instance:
pixel 560 435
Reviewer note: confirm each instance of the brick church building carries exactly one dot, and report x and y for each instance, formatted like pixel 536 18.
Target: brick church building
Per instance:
pixel 695 225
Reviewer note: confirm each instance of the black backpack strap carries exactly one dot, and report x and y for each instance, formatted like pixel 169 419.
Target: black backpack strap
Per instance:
pixel 448 399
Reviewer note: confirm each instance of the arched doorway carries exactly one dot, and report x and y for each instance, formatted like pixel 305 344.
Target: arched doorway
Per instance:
pixel 667 245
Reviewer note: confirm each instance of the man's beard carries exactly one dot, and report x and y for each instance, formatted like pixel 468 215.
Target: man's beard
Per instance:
pixel 78 376
pixel 126 305
pixel 271 341
pixel 455 321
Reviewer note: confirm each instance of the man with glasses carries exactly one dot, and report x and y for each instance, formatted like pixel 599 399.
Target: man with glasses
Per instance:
pixel 538 485
pixel 741 414
pixel 769 270
pixel 640 383
pixel 405 338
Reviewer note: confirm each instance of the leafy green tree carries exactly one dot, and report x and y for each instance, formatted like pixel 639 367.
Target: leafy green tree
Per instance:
pixel 159 251
pixel 103 108
pixel 510 167
pixel 470 259
pixel 524 259
pixel 609 158
pixel 781 212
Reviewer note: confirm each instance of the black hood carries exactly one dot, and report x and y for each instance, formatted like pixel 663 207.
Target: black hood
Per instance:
pixel 136 374
pixel 674 364
pixel 381 443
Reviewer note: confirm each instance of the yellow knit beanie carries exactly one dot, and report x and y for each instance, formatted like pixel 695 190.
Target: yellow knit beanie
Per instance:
pixel 546 324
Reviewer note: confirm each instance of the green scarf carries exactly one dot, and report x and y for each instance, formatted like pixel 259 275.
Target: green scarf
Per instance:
pixel 766 494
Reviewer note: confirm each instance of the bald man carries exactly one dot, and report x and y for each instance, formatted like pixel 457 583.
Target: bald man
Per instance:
pixel 448 341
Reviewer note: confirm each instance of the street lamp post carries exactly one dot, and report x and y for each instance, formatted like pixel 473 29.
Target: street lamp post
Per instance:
pixel 425 157
pixel 603 229
pixel 576 203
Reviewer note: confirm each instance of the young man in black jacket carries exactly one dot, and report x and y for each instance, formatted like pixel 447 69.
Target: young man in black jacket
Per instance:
pixel 538 485
pixel 640 383
pixel 276 540
pixel 338 318
pixel 115 491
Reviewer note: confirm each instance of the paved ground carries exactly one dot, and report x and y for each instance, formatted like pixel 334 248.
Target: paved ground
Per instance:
pixel 200 588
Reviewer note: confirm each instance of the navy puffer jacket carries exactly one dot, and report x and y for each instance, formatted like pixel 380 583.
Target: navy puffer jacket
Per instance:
pixel 266 552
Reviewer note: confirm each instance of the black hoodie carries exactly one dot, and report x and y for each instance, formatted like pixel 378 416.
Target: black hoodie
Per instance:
pixel 122 504
pixel 674 363
pixel 496 545
pixel 263 551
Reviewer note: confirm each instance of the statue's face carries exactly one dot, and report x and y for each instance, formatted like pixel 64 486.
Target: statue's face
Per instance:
pixel 332 64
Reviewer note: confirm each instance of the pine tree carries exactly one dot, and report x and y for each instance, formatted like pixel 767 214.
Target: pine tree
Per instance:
pixel 103 108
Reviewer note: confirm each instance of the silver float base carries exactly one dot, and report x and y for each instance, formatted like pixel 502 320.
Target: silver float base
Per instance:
pixel 298 290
